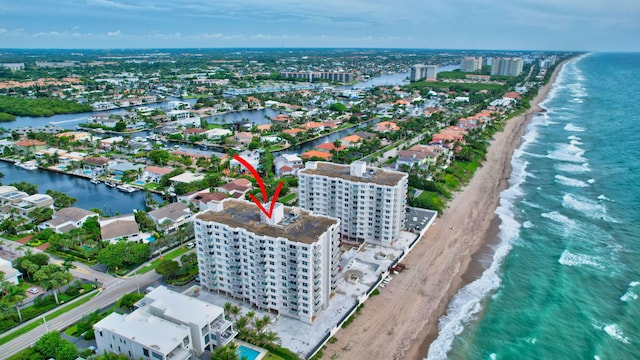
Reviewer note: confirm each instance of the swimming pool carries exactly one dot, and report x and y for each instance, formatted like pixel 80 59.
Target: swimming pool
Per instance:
pixel 151 239
pixel 87 172
pixel 247 353
pixel 139 182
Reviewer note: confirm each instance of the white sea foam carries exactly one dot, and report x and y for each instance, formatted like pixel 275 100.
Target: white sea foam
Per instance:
pixel 466 303
pixel 570 259
pixel 591 208
pixel 602 197
pixel 573 137
pixel 568 152
pixel 573 168
pixel 615 332
pixel 560 219
pixel 575 142
pixel 574 128
pixel 591 181
pixel 527 225
pixel 570 181
pixel 630 295
pixel 493 356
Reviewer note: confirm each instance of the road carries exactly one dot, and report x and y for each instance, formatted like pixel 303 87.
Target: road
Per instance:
pixel 112 289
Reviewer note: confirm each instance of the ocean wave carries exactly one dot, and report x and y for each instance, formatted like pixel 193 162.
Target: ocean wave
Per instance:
pixel 573 137
pixel 591 181
pixel 466 302
pixel 615 332
pixel 570 181
pixel 527 225
pixel 574 128
pixel 604 198
pixel 573 168
pixel 568 153
pixel 593 209
pixel 570 259
pixel 630 295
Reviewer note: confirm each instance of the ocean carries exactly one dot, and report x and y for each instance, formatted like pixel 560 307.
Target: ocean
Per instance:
pixel 564 280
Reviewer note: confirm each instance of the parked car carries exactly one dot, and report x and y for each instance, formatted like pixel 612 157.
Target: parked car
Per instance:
pixel 190 245
pixel 33 290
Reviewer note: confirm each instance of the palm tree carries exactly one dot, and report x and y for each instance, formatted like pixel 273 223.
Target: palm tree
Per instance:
pixel 17 296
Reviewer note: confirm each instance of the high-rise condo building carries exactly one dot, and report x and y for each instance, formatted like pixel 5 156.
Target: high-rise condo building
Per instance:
pixel 287 263
pixel 507 66
pixel 471 64
pixel 422 72
pixel 370 202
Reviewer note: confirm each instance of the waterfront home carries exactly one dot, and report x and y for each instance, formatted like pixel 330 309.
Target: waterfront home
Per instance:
pixel 263 127
pixel 108 143
pixel 67 219
pixel 97 165
pixel 11 195
pixel 29 147
pixel 351 140
pixel 31 202
pixel 11 274
pixel 418 155
pixel 194 154
pixel 330 146
pixel 120 167
pixel 193 131
pixel 154 173
pixel 122 227
pixel 217 133
pixel 317 154
pixel 386 126
pixel 170 217
pixel 183 117
pixel 75 135
pixel 287 164
pixel 186 178
pixel 106 120
pixel 294 132
pixel 6 144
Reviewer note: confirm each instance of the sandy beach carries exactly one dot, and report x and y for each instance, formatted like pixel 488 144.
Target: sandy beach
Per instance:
pixel 402 321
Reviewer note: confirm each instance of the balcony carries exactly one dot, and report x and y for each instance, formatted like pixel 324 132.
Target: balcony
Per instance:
pixel 179 353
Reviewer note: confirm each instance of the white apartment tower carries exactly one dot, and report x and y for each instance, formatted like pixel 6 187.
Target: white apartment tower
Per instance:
pixel 507 66
pixel 421 72
pixel 471 64
pixel 370 202
pixel 287 263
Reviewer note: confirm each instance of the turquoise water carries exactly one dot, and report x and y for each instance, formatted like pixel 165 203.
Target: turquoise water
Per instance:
pixel 139 182
pixel 564 282
pixel 247 353
pixel 151 239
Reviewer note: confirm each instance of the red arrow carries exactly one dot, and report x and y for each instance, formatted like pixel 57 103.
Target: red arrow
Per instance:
pixel 262 188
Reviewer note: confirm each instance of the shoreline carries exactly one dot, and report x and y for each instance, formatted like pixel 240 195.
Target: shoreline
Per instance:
pixel 402 322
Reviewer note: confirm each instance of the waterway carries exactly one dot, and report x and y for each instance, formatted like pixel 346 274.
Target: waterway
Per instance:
pixel 109 200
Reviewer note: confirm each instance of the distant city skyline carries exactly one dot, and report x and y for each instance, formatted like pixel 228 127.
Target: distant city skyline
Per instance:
pixel 582 25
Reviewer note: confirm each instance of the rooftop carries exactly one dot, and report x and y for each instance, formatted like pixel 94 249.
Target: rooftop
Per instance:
pixel 372 175
pixel 151 331
pixel 182 307
pixel 306 228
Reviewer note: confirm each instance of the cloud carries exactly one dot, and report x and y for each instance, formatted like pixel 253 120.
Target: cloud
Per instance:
pixel 113 33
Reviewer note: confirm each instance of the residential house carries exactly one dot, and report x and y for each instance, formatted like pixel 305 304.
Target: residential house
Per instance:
pixel 11 274
pixel 330 146
pixel 29 147
pixel 217 133
pixel 67 219
pixel 287 164
pixel 155 173
pixel 29 203
pixel 237 186
pixel 243 138
pixel 117 228
pixel 170 217
pixel 386 126
pixel 252 157
pixel 98 165
pixel 351 140
pixel 108 143
pixel 208 200
pixel 120 167
pixel 316 154
pixel 187 178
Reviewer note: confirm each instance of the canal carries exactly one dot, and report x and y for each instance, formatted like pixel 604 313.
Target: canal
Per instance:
pixel 109 200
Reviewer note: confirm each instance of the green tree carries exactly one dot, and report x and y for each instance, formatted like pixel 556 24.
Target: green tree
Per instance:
pixel 60 199
pixel 159 157
pixel 26 187
pixel 52 345
pixel 120 126
pixel 338 107
pixel 15 295
pixel 143 219
pixel 168 268
pixel 226 352
pixel 52 277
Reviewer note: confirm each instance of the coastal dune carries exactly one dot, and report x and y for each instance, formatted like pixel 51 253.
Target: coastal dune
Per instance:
pixel 402 321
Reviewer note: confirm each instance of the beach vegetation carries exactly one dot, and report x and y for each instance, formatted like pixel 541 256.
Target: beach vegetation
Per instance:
pixel 23 106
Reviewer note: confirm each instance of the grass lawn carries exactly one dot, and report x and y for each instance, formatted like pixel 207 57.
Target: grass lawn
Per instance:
pixel 168 256
pixel 150 186
pixel 272 356
pixel 288 197
pixel 23 330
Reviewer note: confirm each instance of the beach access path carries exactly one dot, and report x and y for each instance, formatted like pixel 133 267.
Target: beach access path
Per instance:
pixel 402 321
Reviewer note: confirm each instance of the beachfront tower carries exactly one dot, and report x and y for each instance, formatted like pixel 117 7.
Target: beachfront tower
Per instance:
pixel 287 263
pixel 370 202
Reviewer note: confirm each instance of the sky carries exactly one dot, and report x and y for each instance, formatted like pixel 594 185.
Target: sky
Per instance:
pixel 582 25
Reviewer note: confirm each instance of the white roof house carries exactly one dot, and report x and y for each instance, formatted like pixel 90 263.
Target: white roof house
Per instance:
pixel 10 273
pixel 170 217
pixel 143 335
pixel 187 177
pixel 66 219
